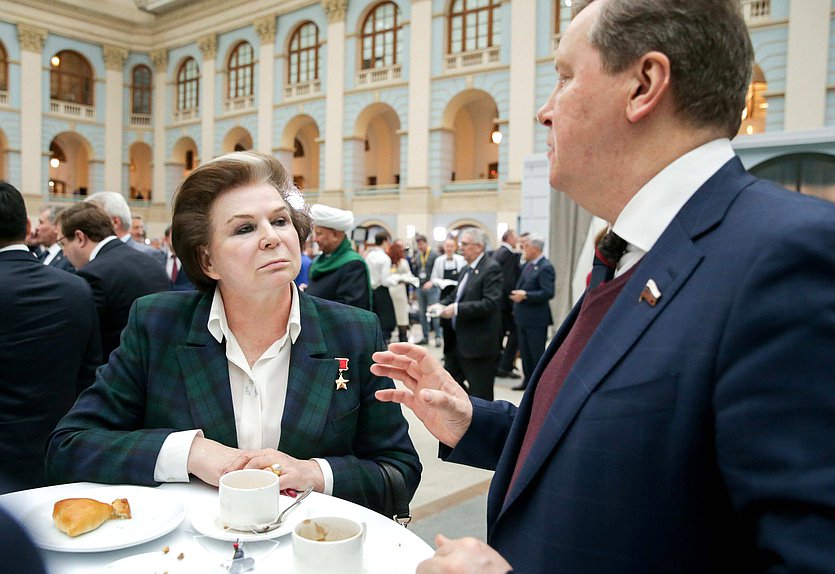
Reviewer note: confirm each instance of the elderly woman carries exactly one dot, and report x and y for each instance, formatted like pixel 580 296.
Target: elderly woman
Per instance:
pixel 245 373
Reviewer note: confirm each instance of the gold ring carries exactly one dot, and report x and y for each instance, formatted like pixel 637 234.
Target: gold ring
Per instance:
pixel 274 468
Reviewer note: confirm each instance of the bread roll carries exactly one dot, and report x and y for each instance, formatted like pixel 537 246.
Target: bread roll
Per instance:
pixel 75 516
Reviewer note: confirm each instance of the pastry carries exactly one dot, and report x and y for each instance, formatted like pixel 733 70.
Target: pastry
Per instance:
pixel 75 516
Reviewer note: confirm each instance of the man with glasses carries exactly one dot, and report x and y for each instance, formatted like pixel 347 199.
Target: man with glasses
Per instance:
pixel 47 233
pixel 471 350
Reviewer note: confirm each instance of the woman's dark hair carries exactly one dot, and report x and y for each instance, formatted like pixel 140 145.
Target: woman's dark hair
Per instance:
pixel 191 222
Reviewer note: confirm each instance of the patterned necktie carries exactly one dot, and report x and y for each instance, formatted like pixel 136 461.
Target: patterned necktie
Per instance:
pixel 606 256
pixel 174 270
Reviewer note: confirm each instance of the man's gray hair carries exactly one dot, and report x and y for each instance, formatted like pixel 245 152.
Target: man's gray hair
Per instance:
pixel 115 205
pixel 476 235
pixel 537 241
pixel 52 212
pixel 707 42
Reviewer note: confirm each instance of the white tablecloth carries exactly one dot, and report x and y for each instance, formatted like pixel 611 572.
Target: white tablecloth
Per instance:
pixel 389 548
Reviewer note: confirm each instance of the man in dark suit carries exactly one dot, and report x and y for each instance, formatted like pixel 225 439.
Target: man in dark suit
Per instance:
pixel 116 206
pixel 533 291
pixel 472 348
pixel 507 256
pixel 118 274
pixel 682 419
pixel 173 266
pixel 47 234
pixel 49 347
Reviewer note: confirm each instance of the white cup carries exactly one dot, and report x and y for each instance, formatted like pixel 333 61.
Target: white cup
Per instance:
pixel 248 498
pixel 328 544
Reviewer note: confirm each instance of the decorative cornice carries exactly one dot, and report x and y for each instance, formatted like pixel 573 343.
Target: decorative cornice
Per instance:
pixel 114 57
pixel 208 46
pixel 160 59
pixel 31 38
pixel 335 9
pixel 265 28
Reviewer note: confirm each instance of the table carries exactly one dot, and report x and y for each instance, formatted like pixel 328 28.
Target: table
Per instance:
pixel 389 548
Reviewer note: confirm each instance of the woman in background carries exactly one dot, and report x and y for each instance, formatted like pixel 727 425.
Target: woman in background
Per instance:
pixel 401 275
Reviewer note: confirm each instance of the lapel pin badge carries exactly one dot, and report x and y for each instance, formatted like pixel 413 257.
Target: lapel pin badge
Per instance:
pixel 340 380
pixel 650 293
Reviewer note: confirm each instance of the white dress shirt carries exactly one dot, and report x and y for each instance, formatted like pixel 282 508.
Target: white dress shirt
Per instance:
pixel 259 394
pixel 51 252
pixel 650 211
pixel 379 268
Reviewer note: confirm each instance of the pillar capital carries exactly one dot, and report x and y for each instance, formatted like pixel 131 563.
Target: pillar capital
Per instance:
pixel 114 57
pixel 160 59
pixel 208 46
pixel 32 38
pixel 265 28
pixel 335 9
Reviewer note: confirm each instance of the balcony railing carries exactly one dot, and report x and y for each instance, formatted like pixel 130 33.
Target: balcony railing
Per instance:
pixel 386 189
pixel 472 185
pixel 239 104
pixel 72 110
pixel 302 89
pixel 140 120
pixel 756 10
pixel 4 98
pixel 380 75
pixel 474 59
pixel 186 115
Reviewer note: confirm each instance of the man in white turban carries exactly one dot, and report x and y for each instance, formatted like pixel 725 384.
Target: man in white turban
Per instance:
pixel 339 273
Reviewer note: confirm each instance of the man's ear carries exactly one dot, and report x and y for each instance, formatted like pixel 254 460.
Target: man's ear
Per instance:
pixel 82 238
pixel 649 84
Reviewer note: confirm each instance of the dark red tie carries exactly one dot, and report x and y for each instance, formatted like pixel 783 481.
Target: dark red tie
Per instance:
pixel 607 253
pixel 174 269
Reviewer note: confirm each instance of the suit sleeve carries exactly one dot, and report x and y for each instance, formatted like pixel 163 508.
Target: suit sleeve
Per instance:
pixel 774 403
pixel 102 438
pixel 491 295
pixel 92 353
pixel 543 291
pixel 353 285
pixel 483 443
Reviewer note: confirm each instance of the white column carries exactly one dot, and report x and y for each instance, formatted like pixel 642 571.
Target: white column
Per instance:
pixel 208 47
pixel 32 40
pixel 522 87
pixel 265 27
pixel 159 193
pixel 806 64
pixel 420 28
pixel 114 61
pixel 334 100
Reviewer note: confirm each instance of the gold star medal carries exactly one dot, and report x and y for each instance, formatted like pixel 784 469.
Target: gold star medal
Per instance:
pixel 340 380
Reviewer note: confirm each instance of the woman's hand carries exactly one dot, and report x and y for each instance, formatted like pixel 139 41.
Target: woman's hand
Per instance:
pixel 295 474
pixel 208 459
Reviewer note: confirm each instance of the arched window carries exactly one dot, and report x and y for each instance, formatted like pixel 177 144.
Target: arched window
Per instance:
pixel 141 90
pixel 473 25
pixel 241 71
pixel 380 37
pixel 4 68
pixel 188 85
pixel 71 78
pixel 756 104
pixel 304 54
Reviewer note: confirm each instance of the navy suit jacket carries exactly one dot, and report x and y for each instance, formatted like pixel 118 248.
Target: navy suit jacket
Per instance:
pixel 156 254
pixel 538 283
pixel 170 374
pixel 509 261
pixel 696 435
pixel 61 262
pixel 119 275
pixel 49 350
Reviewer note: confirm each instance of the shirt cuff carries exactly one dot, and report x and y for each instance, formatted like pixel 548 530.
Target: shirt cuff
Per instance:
pixel 327 473
pixel 172 460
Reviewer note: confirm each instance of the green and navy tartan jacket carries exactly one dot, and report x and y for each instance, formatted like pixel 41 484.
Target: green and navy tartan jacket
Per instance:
pixel 169 374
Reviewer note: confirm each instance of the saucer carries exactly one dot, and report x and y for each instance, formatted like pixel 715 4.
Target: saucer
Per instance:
pixel 206 520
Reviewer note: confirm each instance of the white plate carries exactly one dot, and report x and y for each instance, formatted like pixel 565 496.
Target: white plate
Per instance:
pixel 153 514
pixel 159 562
pixel 206 520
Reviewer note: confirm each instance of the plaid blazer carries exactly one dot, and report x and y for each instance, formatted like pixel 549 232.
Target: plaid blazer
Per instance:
pixel 169 374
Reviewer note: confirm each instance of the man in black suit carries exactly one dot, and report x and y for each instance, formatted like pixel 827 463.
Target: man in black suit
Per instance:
pixel 118 274
pixel 507 256
pixel 471 351
pixel 533 291
pixel 49 347
pixel 117 208
pixel 47 234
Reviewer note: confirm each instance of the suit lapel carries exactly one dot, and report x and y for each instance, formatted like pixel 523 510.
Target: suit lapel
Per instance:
pixel 669 263
pixel 205 374
pixel 310 385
